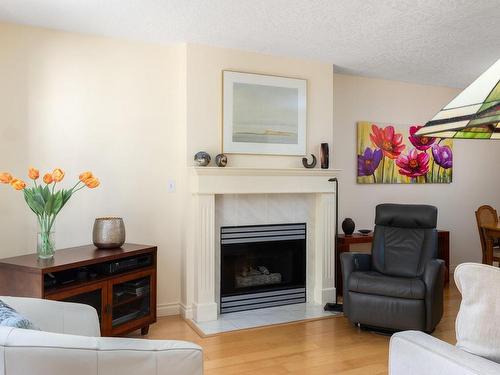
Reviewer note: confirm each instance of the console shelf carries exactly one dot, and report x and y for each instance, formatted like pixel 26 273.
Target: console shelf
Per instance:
pixel 119 283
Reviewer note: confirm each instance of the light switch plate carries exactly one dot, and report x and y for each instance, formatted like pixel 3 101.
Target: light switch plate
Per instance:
pixel 171 186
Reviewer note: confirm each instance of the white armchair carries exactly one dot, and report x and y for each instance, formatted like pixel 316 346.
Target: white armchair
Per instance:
pixel 69 343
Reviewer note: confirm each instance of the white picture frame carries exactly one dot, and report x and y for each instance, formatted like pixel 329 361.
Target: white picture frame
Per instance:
pixel 263 114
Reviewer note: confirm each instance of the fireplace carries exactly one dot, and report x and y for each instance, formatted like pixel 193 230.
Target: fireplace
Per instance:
pixel 262 266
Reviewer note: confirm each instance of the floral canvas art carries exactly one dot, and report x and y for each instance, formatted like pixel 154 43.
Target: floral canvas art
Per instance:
pixel 393 154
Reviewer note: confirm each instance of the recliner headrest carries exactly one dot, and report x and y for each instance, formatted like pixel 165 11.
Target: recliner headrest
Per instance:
pixel 406 215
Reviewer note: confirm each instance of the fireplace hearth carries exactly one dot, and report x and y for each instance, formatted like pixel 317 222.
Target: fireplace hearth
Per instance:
pixel 262 266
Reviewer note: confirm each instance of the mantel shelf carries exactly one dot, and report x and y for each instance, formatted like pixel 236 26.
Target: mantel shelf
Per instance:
pixel 245 171
pixel 214 180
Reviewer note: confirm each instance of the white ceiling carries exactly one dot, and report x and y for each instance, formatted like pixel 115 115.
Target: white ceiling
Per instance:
pixel 442 42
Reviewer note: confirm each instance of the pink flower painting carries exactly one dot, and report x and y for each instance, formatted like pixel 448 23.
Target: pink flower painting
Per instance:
pixel 421 143
pixel 393 154
pixel 414 164
pixel 390 142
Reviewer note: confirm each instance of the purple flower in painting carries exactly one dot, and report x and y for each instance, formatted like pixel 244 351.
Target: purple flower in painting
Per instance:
pixel 442 156
pixel 421 143
pixel 369 161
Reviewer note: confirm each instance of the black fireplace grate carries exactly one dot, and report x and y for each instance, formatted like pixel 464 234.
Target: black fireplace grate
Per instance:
pixel 262 266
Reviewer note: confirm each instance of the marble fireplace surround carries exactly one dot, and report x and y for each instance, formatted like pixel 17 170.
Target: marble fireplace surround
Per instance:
pixel 211 184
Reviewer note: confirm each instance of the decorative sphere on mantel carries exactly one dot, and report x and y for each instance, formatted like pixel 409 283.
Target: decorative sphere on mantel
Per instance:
pixel 202 159
pixel 221 160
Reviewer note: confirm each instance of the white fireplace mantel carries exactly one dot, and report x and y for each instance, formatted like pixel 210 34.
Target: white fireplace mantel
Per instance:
pixel 214 180
pixel 207 182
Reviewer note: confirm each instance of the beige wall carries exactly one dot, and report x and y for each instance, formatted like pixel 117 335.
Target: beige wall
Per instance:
pixel 204 115
pixel 136 113
pixel 113 107
pixel 474 177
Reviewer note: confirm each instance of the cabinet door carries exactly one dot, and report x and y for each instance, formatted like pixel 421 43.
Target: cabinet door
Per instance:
pixel 132 300
pixel 94 295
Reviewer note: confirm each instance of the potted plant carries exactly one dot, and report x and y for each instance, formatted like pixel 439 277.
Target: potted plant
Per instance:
pixel 46 202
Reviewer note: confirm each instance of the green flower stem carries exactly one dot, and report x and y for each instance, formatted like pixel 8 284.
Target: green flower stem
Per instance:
pixel 432 170
pixel 383 168
pixel 79 182
pixel 46 247
pixel 80 188
pixel 47 221
pixel 393 164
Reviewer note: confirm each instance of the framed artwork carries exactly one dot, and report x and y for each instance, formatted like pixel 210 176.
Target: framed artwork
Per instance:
pixel 392 154
pixel 263 114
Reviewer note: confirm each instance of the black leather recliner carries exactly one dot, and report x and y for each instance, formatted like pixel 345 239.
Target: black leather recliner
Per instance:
pixel 399 286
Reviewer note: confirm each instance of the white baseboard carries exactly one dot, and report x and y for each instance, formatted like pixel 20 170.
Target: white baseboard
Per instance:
pixel 186 311
pixel 174 308
pixel 167 309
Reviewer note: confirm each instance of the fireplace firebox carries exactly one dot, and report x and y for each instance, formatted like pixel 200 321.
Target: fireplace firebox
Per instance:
pixel 262 266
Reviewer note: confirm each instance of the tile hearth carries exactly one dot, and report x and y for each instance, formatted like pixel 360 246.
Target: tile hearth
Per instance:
pixel 263 317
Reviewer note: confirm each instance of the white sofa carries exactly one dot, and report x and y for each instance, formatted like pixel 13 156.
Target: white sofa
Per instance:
pixel 69 343
pixel 477 330
pixel 417 353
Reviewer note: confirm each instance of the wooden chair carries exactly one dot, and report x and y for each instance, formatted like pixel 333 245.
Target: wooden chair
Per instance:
pixel 487 215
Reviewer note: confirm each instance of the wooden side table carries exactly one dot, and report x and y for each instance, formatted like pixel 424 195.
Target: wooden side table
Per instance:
pixel 344 242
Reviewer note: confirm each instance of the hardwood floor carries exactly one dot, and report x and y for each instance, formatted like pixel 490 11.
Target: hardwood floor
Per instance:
pixel 329 346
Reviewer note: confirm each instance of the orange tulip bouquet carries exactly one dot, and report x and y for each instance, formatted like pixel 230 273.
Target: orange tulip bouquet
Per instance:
pixel 46 202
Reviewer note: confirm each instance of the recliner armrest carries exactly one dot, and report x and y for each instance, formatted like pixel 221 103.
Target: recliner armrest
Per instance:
pixel 351 262
pixel 433 278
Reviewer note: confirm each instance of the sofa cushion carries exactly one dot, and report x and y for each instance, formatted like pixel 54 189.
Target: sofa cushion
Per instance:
pixel 477 328
pixel 371 282
pixel 11 318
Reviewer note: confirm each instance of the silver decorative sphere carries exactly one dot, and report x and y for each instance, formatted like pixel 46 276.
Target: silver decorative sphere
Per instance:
pixel 202 158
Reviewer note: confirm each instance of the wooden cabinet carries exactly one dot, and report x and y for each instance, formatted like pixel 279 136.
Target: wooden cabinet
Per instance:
pixel 94 295
pixel 119 283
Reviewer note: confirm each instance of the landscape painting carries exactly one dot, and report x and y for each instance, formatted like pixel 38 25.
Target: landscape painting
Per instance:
pixel 392 154
pixel 264 114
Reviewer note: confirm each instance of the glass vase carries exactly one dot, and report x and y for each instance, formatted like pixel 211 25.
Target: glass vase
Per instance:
pixel 46 244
